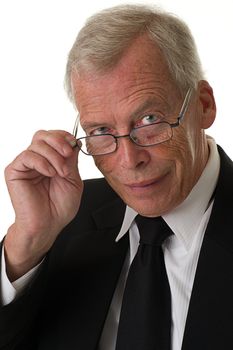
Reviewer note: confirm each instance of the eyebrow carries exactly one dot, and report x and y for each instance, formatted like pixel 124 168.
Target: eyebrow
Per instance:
pixel 148 103
pixel 86 125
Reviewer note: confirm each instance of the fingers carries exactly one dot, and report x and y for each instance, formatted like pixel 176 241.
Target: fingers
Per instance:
pixel 27 160
pixel 50 153
pixel 61 141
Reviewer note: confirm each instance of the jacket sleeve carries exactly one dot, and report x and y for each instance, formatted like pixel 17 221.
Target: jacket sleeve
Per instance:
pixel 17 317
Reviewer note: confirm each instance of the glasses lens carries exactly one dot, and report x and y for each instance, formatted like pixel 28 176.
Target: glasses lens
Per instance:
pixel 98 145
pixel 153 134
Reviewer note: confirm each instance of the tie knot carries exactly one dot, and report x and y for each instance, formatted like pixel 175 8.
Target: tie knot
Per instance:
pixel 153 231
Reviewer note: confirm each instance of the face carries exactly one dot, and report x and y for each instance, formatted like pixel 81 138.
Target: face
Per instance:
pixel 140 91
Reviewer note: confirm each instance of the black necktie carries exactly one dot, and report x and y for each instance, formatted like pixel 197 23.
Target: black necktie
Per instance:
pixel 145 320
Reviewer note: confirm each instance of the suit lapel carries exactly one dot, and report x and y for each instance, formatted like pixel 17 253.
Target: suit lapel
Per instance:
pixel 99 280
pixel 90 269
pixel 209 322
pixel 105 270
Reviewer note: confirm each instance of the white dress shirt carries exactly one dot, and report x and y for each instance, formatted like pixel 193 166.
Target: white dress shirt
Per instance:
pixel 188 221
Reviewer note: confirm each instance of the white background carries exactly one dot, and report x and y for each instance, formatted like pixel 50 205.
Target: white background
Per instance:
pixel 35 37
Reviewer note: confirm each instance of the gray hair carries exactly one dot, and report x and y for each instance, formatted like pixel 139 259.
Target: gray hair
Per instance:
pixel 107 34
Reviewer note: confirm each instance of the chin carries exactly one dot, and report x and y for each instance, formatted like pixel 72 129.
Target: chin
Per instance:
pixel 156 207
pixel 147 209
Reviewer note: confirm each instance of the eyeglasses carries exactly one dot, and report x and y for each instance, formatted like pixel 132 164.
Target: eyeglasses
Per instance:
pixel 144 136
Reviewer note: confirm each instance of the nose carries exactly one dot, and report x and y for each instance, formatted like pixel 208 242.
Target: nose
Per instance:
pixel 130 155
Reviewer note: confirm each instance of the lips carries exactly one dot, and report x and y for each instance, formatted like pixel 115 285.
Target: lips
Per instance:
pixel 145 184
pixel 142 184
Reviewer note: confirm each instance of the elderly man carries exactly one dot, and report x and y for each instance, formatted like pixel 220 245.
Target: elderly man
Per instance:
pixel 142 258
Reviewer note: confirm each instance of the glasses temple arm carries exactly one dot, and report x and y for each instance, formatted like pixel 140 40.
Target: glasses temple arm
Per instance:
pixel 75 129
pixel 185 104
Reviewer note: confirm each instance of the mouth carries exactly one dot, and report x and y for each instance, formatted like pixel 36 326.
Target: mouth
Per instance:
pixel 147 184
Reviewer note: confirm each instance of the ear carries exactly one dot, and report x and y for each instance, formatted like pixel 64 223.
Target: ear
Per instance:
pixel 206 103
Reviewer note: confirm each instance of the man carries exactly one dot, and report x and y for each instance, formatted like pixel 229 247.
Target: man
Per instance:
pixel 136 80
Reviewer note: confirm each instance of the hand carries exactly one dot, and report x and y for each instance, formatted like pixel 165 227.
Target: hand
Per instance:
pixel 45 190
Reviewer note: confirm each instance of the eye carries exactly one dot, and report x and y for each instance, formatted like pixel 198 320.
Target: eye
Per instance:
pixel 148 119
pixel 101 131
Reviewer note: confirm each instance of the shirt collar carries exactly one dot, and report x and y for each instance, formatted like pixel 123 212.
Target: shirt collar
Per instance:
pixel 185 218
pixel 129 217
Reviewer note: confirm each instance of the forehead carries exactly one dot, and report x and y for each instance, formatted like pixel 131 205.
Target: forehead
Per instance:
pixel 141 73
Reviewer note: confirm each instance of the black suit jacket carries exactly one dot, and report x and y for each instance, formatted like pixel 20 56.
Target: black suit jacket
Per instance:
pixel 66 305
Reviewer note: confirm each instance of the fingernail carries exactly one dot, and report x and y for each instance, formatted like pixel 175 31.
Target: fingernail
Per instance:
pixel 72 141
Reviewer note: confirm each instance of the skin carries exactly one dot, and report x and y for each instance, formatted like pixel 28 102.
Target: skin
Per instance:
pixel 156 179
pixel 44 182
pixel 45 189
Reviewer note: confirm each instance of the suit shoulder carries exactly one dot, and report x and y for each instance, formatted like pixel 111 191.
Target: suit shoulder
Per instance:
pixel 98 192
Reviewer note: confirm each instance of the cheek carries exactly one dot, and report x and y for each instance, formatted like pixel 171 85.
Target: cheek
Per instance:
pixel 175 151
pixel 111 171
pixel 105 164
pixel 180 153
pixel 183 146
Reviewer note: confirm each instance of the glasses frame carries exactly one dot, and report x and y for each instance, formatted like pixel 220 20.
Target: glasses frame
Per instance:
pixel 180 117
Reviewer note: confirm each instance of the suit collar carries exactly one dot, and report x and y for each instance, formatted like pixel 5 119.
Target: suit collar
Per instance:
pixel 109 215
pixel 209 320
pixel 220 224
pixel 89 271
